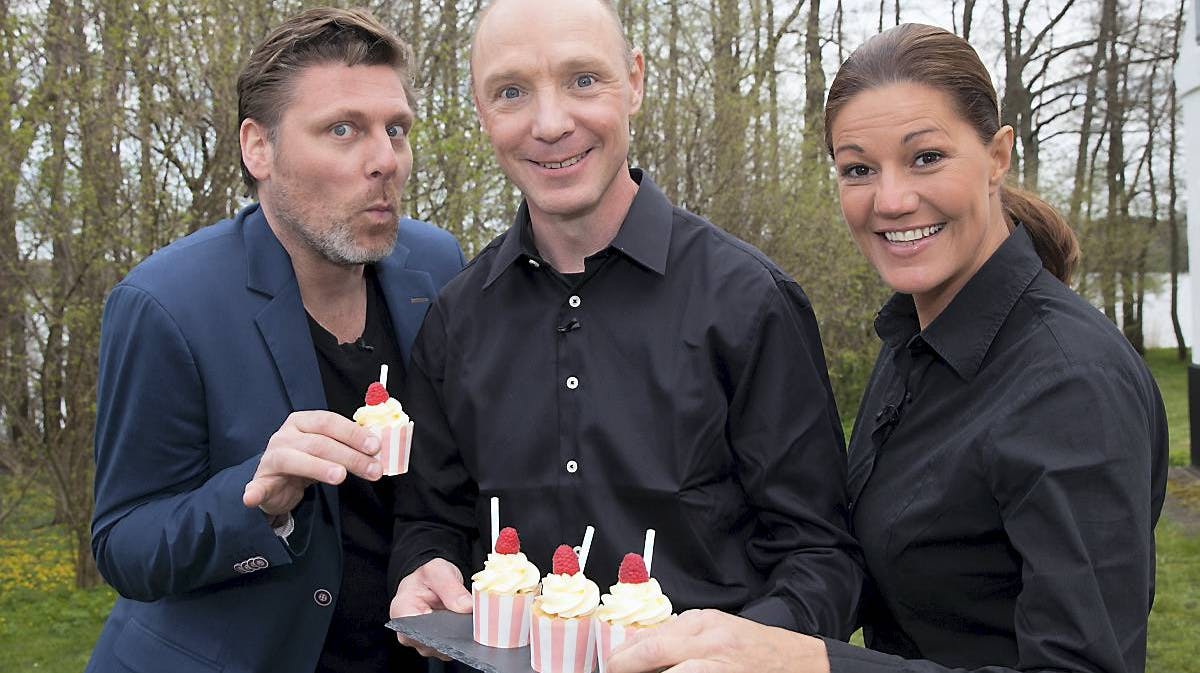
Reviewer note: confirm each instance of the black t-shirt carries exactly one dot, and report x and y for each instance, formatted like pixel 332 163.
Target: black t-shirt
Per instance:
pixel 357 640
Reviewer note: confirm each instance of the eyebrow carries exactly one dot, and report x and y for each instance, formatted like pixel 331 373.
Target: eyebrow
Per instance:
pixel 572 65
pixel 909 137
pixel 848 146
pixel 405 115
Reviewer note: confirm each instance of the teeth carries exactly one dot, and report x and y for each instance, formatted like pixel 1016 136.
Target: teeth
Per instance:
pixel 562 164
pixel 911 235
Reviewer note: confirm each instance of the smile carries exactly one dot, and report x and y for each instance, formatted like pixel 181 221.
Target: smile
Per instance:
pixel 911 235
pixel 563 164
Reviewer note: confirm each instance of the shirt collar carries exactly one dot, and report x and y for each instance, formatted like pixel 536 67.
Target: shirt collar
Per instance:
pixel 644 236
pixel 962 334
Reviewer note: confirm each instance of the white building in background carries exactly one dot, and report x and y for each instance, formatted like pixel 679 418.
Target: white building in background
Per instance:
pixel 1187 83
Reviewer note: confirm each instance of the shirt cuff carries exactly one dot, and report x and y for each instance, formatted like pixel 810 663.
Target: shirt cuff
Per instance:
pixel 847 658
pixel 771 611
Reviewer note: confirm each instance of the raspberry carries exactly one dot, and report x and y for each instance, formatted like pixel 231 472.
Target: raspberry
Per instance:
pixel 633 570
pixel 565 561
pixel 507 541
pixel 376 394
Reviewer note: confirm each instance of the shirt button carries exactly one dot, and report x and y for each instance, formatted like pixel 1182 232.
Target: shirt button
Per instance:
pixel 574 301
pixel 534 263
pixel 572 382
pixel 572 466
pixel 322 597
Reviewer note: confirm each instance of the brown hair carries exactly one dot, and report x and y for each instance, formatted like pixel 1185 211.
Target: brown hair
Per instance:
pixel 317 36
pixel 937 58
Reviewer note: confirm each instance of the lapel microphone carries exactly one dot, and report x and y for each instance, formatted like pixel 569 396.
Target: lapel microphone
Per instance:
pixel 364 346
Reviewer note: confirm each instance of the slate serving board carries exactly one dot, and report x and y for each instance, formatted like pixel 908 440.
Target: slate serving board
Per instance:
pixel 451 634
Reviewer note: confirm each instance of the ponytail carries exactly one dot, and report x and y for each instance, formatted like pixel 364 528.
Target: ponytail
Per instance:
pixel 1053 238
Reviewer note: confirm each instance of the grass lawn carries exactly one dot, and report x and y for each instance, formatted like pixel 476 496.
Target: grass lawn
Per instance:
pixel 1171 375
pixel 46 625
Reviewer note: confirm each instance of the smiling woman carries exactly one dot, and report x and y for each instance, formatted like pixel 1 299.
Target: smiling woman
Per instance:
pixel 1008 463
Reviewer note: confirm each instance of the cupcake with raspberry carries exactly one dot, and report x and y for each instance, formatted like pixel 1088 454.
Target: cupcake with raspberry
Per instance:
pixel 635 602
pixel 562 639
pixel 503 593
pixel 382 415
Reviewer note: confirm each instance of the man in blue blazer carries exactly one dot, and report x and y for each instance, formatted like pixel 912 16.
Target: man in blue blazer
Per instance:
pixel 239 513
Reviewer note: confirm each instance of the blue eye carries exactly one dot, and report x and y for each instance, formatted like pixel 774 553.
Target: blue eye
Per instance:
pixel 510 92
pixel 584 81
pixel 927 158
pixel 395 131
pixel 341 130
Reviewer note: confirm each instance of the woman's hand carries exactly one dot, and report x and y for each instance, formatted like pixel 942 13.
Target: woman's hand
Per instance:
pixel 711 641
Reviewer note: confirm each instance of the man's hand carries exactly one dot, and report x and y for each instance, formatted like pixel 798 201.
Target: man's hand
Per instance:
pixel 710 641
pixel 310 446
pixel 437 585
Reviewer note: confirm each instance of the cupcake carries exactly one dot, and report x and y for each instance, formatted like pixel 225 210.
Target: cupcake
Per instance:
pixel 383 416
pixel 634 602
pixel 562 639
pixel 503 593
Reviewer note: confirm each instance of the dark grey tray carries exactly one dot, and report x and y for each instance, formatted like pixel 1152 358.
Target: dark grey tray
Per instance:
pixel 451 634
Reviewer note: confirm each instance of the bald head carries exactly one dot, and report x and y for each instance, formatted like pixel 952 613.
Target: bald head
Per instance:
pixel 515 7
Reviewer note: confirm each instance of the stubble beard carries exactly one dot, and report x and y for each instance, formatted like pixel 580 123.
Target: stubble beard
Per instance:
pixel 336 243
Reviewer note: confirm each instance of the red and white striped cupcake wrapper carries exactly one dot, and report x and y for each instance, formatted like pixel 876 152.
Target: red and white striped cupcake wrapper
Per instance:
pixel 608 636
pixel 562 645
pixel 395 446
pixel 501 620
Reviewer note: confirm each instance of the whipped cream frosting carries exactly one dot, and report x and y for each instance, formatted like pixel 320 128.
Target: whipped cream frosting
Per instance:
pixel 568 596
pixel 386 413
pixel 641 604
pixel 506 574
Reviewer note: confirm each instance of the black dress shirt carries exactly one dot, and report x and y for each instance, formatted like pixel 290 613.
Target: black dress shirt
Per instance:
pixel 677 384
pixel 1008 466
pixel 357 641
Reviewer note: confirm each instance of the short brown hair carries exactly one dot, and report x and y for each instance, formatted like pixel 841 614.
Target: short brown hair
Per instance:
pixel 317 36
pixel 936 58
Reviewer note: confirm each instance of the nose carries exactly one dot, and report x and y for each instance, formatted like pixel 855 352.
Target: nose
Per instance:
pixel 552 118
pixel 382 160
pixel 894 195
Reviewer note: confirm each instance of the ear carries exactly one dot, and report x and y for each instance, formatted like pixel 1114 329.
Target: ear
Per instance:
pixel 479 113
pixel 257 152
pixel 1000 151
pixel 637 80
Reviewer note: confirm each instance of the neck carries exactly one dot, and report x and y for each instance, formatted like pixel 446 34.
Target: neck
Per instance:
pixel 930 304
pixel 566 241
pixel 333 294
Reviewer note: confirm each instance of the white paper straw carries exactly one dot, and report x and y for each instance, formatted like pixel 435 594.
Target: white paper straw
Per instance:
pixel 495 521
pixel 383 375
pixel 587 544
pixel 648 552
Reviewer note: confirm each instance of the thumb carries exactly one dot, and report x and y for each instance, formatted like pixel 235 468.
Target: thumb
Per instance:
pixel 446 582
pixel 254 494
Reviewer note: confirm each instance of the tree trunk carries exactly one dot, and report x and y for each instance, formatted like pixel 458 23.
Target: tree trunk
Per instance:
pixel 1181 350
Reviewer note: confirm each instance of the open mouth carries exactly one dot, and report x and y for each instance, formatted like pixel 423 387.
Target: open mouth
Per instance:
pixel 553 165
pixel 912 235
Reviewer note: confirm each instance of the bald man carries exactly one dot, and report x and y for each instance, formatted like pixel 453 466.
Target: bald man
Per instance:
pixel 617 361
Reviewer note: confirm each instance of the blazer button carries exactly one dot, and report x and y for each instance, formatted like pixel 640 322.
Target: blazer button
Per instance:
pixel 322 597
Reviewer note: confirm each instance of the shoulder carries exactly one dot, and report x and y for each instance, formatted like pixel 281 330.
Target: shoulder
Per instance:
pixel 1065 359
pixel 418 235
pixel 1070 332
pixel 190 267
pixel 430 249
pixel 700 247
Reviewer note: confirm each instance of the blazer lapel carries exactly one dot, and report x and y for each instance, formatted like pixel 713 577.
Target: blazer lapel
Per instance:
pixel 283 322
pixel 409 293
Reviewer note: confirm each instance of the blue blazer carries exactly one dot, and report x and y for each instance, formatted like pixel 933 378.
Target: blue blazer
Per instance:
pixel 205 349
